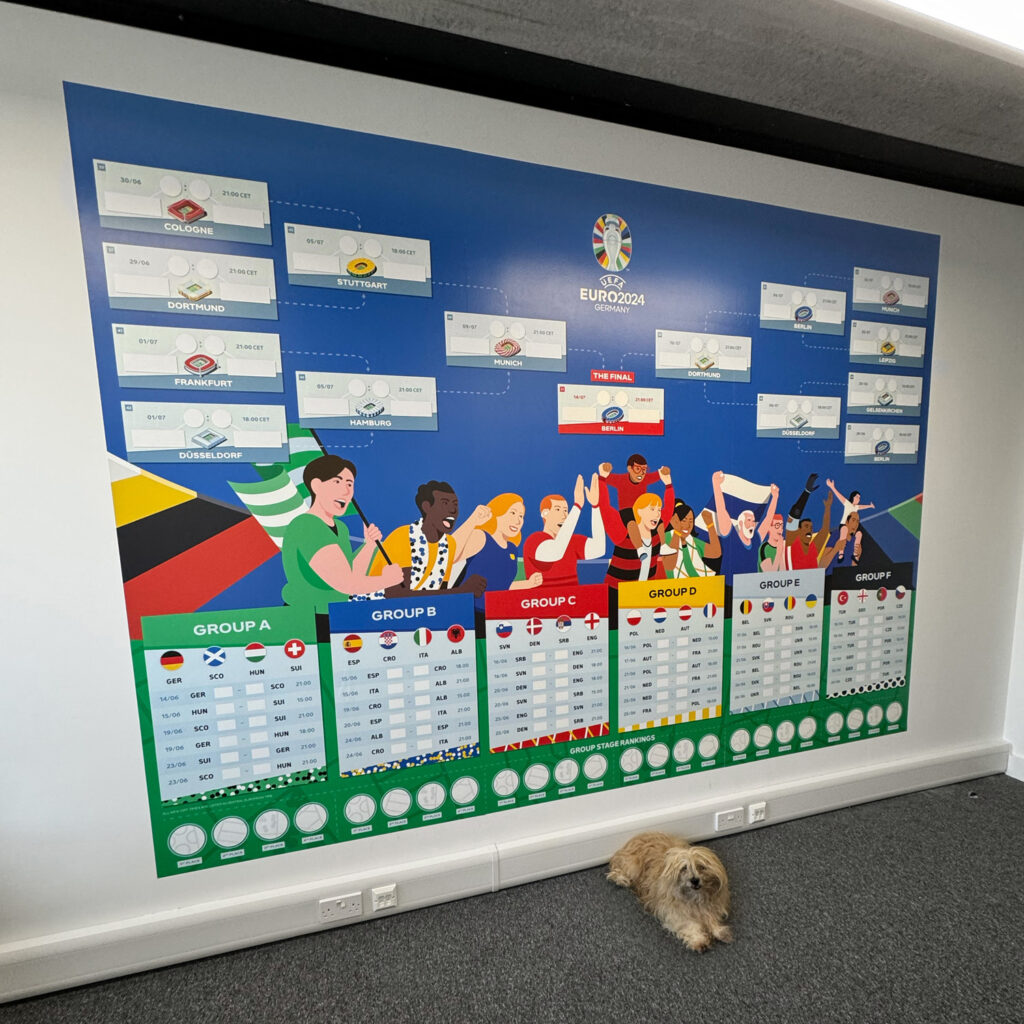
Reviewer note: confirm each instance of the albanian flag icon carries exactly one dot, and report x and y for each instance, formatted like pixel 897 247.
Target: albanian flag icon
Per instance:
pixel 456 634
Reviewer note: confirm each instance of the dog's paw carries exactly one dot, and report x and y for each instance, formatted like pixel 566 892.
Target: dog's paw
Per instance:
pixel 723 933
pixel 694 938
pixel 618 878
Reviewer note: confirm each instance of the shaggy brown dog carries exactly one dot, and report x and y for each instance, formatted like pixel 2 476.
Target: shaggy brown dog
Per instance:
pixel 685 887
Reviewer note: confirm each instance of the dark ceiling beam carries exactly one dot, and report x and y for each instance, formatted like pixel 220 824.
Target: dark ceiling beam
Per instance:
pixel 326 35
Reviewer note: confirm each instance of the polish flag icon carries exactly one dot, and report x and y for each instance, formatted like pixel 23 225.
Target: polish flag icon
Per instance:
pixel 592 620
pixel 634 618
pixel 534 626
pixel 294 649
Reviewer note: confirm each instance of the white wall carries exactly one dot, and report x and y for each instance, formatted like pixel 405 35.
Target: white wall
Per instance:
pixel 78 890
pixel 1015 694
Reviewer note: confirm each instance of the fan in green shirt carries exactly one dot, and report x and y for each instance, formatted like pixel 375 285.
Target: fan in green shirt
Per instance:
pixel 319 563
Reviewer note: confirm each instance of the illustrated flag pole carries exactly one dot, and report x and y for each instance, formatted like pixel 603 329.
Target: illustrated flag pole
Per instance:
pixel 366 522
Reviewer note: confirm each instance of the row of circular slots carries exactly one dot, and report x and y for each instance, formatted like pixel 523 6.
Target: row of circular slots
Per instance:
pixel 270 825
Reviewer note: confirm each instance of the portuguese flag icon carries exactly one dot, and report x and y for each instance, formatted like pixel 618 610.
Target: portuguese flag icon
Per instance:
pixel 255 652
pixel 172 660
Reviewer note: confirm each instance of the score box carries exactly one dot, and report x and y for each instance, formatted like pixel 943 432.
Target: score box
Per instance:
pixel 132 197
pixel 692 356
pixel 792 307
pixel 504 342
pixel 357 260
pixel 365 401
pixel 204 432
pixel 671 641
pixel 870 443
pixel 606 409
pixel 181 281
pixel 776 639
pixel 547 665
pixel 886 344
pixel 234 697
pixel 869 629
pixel 887 291
pixel 798 415
pixel 891 396
pixel 176 359
pixel 404 682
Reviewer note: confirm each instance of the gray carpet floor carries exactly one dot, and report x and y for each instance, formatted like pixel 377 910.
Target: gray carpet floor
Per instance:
pixel 904 910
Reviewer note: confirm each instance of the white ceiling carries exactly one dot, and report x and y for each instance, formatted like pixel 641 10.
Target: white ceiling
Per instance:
pixel 828 59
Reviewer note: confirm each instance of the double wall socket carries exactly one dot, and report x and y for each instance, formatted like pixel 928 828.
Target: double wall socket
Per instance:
pixel 730 819
pixel 340 908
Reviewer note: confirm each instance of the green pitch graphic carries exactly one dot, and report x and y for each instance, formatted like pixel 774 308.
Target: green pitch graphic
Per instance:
pixel 237 714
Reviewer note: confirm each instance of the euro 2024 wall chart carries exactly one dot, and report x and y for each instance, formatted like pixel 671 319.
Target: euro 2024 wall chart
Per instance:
pixel 446 484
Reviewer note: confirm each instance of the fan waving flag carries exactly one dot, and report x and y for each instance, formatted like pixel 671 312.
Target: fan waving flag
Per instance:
pixel 740 495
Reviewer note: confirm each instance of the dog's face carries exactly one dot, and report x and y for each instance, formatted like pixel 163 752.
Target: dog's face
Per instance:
pixel 697 873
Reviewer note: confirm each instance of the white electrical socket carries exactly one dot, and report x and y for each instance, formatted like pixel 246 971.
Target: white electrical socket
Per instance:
pixel 756 812
pixel 730 819
pixel 340 908
pixel 384 896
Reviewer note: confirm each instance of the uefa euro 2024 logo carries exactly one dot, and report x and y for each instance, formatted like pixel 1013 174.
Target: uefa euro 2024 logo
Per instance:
pixel 613 249
pixel 613 244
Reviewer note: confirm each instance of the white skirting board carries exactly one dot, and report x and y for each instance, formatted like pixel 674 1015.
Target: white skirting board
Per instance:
pixel 92 954
pixel 1015 767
